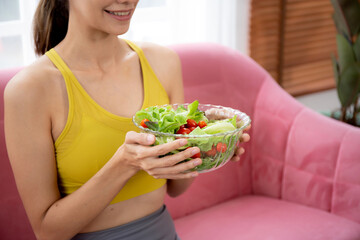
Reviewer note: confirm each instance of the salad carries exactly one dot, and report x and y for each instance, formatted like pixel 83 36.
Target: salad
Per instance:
pixel 216 139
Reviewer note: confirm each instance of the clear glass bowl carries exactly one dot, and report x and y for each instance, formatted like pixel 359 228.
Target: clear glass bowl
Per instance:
pixel 214 154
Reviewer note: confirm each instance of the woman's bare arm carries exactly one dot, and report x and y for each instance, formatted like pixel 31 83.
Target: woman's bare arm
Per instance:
pixel 31 152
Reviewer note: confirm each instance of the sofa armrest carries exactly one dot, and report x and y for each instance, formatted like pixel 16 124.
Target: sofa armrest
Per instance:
pixel 302 156
pixel 323 168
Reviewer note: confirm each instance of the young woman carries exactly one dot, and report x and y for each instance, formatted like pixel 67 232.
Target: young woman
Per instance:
pixel 82 170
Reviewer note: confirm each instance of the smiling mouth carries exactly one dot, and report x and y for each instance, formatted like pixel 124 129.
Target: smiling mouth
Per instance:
pixel 119 13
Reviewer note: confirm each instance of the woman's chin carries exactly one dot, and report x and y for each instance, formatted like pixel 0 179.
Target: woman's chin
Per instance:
pixel 121 31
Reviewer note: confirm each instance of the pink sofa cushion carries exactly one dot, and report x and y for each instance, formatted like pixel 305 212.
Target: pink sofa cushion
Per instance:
pixel 209 189
pixel 272 121
pixel 262 218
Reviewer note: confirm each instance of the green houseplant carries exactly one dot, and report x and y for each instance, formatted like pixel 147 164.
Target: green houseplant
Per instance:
pixel 347 64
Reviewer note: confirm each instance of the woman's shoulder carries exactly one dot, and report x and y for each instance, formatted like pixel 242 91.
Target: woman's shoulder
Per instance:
pixel 33 82
pixel 167 66
pixel 159 55
pixel 154 48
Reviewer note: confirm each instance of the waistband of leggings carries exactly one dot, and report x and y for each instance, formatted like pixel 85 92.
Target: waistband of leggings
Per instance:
pixel 129 225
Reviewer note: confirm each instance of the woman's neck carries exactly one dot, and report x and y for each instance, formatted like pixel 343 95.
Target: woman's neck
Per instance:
pixel 85 48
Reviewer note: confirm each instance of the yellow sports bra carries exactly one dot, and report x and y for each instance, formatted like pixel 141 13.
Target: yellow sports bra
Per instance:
pixel 92 134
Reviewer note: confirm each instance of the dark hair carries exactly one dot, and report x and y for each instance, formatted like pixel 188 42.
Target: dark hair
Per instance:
pixel 50 24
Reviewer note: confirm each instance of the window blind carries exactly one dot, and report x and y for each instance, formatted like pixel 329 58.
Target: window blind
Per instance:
pixel 293 40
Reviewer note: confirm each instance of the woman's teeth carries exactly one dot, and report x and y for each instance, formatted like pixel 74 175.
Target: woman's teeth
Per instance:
pixel 119 13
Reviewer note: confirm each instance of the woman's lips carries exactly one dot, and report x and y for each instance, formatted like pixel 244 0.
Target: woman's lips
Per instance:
pixel 123 15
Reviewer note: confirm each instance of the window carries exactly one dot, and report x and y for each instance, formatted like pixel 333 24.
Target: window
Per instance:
pixel 164 22
pixel 9 10
pixel 15 32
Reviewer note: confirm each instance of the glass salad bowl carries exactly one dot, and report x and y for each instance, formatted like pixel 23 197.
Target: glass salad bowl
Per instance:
pixel 214 129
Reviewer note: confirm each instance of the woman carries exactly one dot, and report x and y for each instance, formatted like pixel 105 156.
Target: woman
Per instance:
pixel 81 169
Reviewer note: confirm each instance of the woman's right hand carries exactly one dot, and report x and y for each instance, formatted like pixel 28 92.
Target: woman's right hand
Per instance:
pixel 138 154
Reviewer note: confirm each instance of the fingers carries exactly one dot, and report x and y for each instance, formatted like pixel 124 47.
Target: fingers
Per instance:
pixel 165 148
pixel 148 139
pixel 178 171
pixel 245 137
pixel 177 176
pixel 172 160
pixel 236 156
pixel 240 151
pixel 247 128
pixel 170 166
pixel 139 138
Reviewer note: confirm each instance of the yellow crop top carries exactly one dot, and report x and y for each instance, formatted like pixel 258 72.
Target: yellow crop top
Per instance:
pixel 92 134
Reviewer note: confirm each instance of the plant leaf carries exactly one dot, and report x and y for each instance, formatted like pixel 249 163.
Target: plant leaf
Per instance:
pixel 335 69
pixel 348 15
pixel 345 52
pixel 351 9
pixel 340 20
pixel 356 48
pixel 337 24
pixel 349 84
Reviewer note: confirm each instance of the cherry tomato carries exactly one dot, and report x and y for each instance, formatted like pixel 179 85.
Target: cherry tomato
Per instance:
pixel 183 131
pixel 192 128
pixel 211 152
pixel 197 155
pixel 221 147
pixel 191 123
pixel 143 123
pixel 202 124
pixel 182 126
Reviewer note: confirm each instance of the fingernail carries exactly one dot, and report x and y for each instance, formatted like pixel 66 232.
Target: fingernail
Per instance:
pixel 195 150
pixel 197 162
pixel 183 142
pixel 242 150
pixel 194 174
pixel 150 138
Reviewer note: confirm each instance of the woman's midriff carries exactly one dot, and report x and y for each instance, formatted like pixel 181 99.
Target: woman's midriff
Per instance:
pixel 126 211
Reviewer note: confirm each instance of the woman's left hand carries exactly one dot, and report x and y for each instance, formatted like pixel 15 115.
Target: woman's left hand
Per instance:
pixel 219 114
pixel 245 137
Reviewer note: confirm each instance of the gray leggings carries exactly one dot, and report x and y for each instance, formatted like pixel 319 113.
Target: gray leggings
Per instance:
pixel 156 226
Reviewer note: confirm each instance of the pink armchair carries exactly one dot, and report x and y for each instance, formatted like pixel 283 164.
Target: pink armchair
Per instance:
pixel 298 179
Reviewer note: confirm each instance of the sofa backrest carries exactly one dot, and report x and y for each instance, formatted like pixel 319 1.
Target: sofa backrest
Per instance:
pixel 13 219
